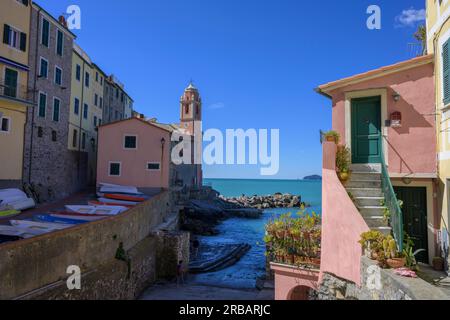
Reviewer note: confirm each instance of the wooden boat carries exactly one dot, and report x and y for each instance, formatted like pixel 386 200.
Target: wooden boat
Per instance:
pixel 98 210
pixel 49 219
pixel 16 199
pixel 98 203
pixel 114 188
pixel 9 213
pixel 87 218
pixel 34 225
pixel 118 202
pixel 124 197
pixel 20 232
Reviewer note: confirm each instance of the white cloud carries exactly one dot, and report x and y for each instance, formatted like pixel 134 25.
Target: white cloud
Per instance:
pixel 409 17
pixel 218 105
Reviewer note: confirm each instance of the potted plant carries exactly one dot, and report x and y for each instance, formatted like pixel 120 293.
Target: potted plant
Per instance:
pixel 332 136
pixel 371 242
pixel 394 259
pixel 343 161
pixel 438 263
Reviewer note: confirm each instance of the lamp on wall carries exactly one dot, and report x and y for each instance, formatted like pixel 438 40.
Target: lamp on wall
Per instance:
pixel 396 96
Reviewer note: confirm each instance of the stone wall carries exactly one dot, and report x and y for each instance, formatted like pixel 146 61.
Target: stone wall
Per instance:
pixel 172 248
pixel 55 171
pixel 37 267
pixel 378 284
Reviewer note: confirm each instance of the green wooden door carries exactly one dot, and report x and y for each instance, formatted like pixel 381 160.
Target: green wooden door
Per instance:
pixel 366 130
pixel 415 217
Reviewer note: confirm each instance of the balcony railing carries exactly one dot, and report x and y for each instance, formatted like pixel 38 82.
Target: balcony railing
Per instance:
pixel 392 203
pixel 17 92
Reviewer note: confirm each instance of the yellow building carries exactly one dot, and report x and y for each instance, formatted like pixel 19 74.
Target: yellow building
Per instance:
pixel 15 96
pixel 85 108
pixel 438 43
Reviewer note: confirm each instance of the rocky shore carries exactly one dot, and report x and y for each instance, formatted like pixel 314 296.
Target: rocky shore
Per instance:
pixel 202 216
pixel 277 200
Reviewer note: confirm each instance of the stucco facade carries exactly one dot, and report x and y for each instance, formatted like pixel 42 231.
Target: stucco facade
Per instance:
pixel 15 96
pixel 48 165
pixel 144 165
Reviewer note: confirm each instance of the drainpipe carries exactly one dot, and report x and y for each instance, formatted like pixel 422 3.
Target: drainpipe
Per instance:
pixel 81 112
pixel 34 89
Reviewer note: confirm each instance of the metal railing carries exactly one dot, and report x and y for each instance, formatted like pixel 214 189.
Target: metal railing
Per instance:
pixel 16 92
pixel 391 203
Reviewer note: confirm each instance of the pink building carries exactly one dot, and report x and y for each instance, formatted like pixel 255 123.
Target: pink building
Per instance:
pixel 386 118
pixel 134 152
pixel 137 151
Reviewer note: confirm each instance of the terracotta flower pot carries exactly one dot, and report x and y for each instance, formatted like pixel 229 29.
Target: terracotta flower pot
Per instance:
pixel 438 264
pixel 396 263
pixel 344 176
pixel 331 139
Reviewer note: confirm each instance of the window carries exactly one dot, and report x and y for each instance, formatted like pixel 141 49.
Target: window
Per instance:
pixel 186 109
pixel 24 2
pixel 117 93
pixel 54 136
pixel 83 140
pixel 74 138
pixel 153 166
pixel 5 125
pixel 85 111
pixel 42 105
pixel 58 76
pixel 99 122
pixel 101 80
pixel 114 169
pixel 11 81
pixel 95 121
pixel 43 69
pixel 446 71
pixel 59 42
pixel 87 80
pixel 56 107
pixel 76 106
pixel 101 102
pixel 45 33
pixel 40 132
pixel 121 97
pixel 96 99
pixel 14 38
pixel 78 72
pixel 130 142
pixel 96 76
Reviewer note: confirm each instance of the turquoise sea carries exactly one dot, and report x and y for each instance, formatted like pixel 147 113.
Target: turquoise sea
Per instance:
pixel 252 265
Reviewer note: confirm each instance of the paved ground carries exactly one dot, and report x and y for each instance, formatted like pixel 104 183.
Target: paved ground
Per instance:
pixel 192 291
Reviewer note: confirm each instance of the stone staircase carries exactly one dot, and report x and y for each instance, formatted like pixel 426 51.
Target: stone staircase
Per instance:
pixel 364 186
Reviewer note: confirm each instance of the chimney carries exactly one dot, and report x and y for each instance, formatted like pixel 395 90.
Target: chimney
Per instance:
pixel 62 21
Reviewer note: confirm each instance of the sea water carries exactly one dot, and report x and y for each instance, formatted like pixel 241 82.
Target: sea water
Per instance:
pixel 245 273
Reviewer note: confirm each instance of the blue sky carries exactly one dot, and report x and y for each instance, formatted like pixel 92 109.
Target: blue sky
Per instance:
pixel 255 62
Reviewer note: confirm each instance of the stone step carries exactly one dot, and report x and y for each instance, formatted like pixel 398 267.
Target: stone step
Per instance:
pixel 365 192
pixel 364 168
pixel 369 201
pixel 376 222
pixel 363 184
pixel 384 230
pixel 369 211
pixel 363 176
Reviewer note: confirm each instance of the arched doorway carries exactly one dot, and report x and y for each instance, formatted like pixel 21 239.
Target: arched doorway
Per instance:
pixel 302 293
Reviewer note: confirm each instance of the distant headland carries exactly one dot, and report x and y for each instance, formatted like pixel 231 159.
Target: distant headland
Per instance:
pixel 313 177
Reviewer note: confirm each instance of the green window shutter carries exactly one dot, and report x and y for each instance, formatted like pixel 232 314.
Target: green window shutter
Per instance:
pixel 446 71
pixel 42 105
pixel 23 41
pixel 6 31
pixel 45 32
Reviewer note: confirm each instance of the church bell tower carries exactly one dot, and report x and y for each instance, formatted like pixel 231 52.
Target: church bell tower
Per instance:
pixel 191 108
